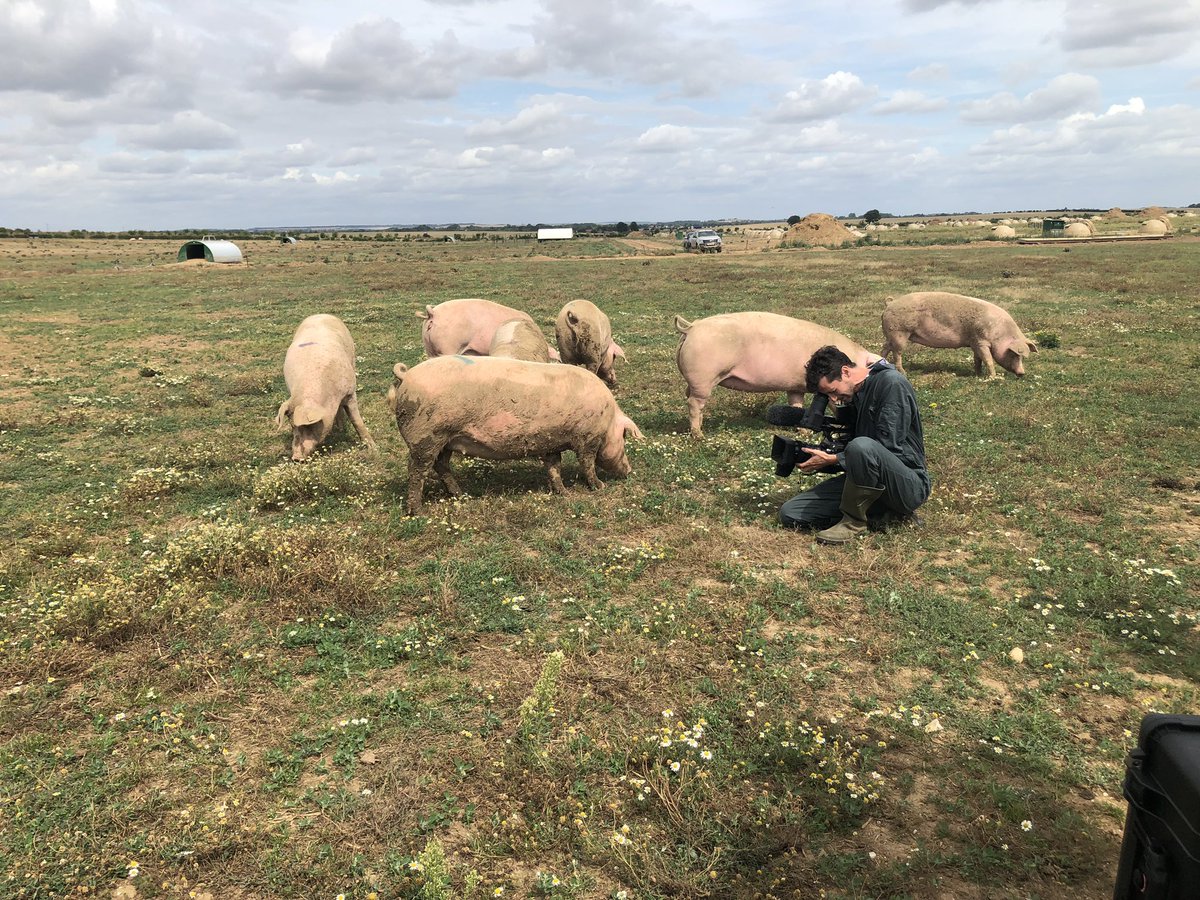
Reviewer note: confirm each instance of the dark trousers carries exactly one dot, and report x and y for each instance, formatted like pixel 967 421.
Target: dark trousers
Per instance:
pixel 868 464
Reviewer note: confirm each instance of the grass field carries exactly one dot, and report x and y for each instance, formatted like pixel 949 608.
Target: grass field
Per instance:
pixel 226 675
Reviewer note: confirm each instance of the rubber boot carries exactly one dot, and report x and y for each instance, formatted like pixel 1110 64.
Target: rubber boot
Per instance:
pixel 856 501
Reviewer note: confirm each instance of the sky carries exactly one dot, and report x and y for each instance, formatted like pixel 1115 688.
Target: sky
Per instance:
pixel 135 114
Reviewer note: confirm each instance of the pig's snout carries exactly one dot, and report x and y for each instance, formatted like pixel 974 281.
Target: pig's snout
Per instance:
pixel 304 442
pixel 616 465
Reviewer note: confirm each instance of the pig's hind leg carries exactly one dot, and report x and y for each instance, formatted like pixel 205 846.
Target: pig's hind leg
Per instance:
pixel 442 466
pixel 418 471
pixel 894 345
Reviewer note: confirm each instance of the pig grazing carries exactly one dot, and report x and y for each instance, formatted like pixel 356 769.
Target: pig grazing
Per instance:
pixel 520 339
pixel 496 408
pixel 319 371
pixel 585 339
pixel 464 326
pixel 751 351
pixel 939 319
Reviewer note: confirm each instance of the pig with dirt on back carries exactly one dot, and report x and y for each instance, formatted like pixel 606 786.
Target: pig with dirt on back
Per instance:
pixel 520 339
pixel 584 337
pixel 319 372
pixel 752 351
pixel 466 326
pixel 496 408
pixel 940 319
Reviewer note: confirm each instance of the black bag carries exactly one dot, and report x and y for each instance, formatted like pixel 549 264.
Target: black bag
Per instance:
pixel 1160 852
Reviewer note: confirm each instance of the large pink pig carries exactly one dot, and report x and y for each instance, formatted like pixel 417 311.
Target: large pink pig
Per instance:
pixel 465 326
pixel 751 351
pixel 941 319
pixel 499 408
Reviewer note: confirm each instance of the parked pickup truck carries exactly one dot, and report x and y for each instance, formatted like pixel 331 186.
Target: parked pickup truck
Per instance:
pixel 704 240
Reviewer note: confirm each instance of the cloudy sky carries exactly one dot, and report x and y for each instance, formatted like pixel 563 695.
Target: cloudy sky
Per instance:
pixel 122 114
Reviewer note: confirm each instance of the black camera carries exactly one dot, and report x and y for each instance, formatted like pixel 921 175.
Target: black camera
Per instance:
pixel 786 452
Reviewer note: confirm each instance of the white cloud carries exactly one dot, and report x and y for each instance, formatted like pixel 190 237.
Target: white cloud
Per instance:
pixel 137 164
pixel 188 130
pixel 371 60
pixel 666 138
pixel 338 177
pixel 1116 33
pixel 1125 132
pixel 909 102
pixel 56 171
pixel 834 95
pixel 58 46
pixel 643 41
pixel 538 119
pixel 926 5
pixel 1064 94
pixel 930 72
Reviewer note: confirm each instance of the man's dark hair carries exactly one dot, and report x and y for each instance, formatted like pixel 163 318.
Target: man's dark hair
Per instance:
pixel 825 363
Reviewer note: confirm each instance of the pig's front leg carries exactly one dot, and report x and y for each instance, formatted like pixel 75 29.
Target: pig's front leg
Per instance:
pixel 360 426
pixel 983 357
pixel 587 462
pixel 553 462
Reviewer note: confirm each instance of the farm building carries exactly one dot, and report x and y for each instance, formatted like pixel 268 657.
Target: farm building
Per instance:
pixel 555 234
pixel 213 251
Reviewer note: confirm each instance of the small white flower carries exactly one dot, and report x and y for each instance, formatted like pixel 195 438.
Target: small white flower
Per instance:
pixel 1026 825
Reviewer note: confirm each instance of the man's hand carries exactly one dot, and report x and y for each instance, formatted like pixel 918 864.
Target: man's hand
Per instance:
pixel 817 460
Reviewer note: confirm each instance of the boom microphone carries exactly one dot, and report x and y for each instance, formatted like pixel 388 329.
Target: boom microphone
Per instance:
pixel 785 416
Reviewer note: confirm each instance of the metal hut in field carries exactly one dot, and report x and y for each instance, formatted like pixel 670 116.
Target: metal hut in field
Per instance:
pixel 213 251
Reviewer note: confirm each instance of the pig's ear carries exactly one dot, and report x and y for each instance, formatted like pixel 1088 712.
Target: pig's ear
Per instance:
pixel 285 413
pixel 306 415
pixel 631 430
pixel 1033 347
pixel 617 351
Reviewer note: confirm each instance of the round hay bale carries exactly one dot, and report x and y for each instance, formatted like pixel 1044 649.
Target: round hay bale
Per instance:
pixel 1115 214
pixel 1004 231
pixel 818 230
pixel 1079 230
pixel 1155 226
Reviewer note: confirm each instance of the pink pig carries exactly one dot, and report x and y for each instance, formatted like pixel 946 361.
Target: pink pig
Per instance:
pixel 498 408
pixel 939 319
pixel 584 336
pixel 466 326
pixel 751 351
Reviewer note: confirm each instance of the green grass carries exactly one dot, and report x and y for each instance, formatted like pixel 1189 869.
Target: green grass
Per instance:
pixel 225 672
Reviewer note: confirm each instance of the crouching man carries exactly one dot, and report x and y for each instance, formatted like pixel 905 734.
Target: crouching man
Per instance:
pixel 884 478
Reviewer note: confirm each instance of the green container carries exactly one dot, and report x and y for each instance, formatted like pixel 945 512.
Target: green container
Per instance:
pixel 1053 227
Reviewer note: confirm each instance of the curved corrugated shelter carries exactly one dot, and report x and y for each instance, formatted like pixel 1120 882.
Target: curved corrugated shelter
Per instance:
pixel 213 251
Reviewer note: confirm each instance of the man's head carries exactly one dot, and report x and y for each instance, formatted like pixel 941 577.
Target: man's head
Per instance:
pixel 834 374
